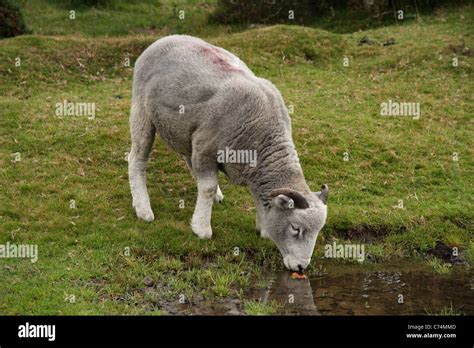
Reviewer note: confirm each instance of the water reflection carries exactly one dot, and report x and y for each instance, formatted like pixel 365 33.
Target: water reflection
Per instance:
pixel 351 291
pixel 292 293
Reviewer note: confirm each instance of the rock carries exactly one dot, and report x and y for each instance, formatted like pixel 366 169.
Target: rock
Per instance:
pixel 367 41
pixel 389 42
pixel 372 42
pixel 148 281
pixel 233 312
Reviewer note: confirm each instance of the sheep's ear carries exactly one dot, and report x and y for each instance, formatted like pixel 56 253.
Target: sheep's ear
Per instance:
pixel 323 194
pixel 286 198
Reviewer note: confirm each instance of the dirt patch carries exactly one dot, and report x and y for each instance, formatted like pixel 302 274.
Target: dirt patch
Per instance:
pixel 155 295
pixel 447 254
pixel 365 233
pixel 460 49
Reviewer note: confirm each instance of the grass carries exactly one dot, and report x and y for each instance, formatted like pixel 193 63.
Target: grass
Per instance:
pixel 121 18
pixel 439 266
pixel 100 253
pixel 446 311
pixel 255 307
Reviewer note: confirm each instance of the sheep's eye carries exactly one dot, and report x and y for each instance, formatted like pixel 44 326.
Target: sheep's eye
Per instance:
pixel 296 231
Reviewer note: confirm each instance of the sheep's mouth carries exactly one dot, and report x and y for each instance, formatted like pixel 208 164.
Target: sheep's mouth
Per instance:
pixel 298 275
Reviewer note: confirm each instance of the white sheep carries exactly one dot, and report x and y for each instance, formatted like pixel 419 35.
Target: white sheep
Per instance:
pixel 208 106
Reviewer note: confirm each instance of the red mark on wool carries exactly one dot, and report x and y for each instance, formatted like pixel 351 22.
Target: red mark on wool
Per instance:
pixel 218 59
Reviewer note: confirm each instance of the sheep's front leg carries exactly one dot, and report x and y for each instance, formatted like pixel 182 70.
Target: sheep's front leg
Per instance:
pixel 207 188
pixel 219 197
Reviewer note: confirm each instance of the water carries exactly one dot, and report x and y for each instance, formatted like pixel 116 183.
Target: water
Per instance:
pixel 335 288
pixel 371 290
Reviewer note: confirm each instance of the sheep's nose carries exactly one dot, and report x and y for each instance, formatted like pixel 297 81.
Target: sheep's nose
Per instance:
pixel 300 268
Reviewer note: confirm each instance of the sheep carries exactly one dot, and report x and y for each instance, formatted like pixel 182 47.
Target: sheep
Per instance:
pixel 202 100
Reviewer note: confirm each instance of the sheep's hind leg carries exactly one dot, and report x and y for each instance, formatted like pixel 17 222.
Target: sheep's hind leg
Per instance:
pixel 143 136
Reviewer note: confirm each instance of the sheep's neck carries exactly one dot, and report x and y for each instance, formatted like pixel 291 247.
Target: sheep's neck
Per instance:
pixel 277 171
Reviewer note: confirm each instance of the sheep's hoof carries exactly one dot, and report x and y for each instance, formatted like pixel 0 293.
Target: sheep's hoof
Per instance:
pixel 203 233
pixel 145 215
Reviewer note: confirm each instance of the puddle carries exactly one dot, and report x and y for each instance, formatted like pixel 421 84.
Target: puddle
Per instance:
pixel 398 288
pixel 371 290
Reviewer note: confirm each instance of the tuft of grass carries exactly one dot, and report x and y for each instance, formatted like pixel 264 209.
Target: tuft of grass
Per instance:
pixel 439 266
pixel 470 252
pixel 376 252
pixel 256 307
pixel 446 311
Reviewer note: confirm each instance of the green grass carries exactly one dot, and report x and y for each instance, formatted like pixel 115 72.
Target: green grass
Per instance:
pixel 336 110
pixel 121 18
pixel 255 307
pixel 439 266
pixel 446 311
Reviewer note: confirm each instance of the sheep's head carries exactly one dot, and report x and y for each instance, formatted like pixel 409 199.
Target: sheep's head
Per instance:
pixel 293 223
